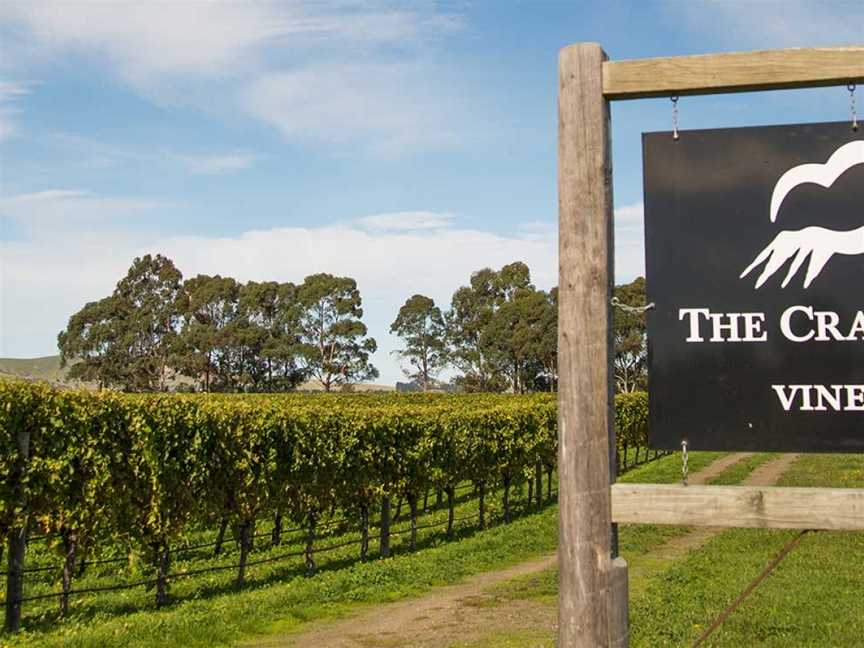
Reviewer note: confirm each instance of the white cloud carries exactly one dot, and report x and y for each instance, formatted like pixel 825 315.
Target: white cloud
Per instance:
pixel 54 271
pixel 388 109
pixel 216 164
pixel 293 65
pixel 10 91
pixel 57 268
pixel 55 210
pixel 404 221
pixel 213 39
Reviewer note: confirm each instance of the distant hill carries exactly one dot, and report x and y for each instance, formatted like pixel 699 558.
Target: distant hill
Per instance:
pixel 48 369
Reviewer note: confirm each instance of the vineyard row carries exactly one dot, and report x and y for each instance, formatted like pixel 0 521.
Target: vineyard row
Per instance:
pixel 85 468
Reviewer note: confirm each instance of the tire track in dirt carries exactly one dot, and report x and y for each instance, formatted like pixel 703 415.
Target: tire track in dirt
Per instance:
pixel 468 611
pixel 657 560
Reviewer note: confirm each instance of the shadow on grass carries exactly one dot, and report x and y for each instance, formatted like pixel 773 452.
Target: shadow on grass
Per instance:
pixel 98 607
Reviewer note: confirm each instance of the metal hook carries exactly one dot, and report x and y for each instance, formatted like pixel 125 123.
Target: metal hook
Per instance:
pixel 674 99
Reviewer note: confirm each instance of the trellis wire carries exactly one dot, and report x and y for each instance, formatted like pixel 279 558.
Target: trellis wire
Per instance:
pixel 205 570
pixel 185 549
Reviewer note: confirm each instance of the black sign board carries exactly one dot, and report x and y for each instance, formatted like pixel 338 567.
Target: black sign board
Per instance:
pixel 755 263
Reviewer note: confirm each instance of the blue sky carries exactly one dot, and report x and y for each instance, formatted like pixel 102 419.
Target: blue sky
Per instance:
pixel 404 144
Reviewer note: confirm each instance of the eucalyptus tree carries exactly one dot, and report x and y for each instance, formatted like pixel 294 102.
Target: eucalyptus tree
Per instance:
pixel 485 324
pixel 126 339
pixel 420 324
pixel 90 345
pixel 333 344
pixel 629 333
pixel 207 349
pixel 471 308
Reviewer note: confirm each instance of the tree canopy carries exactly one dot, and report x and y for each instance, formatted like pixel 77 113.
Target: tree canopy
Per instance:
pixel 214 333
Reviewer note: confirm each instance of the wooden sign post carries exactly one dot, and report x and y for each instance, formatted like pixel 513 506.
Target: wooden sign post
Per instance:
pixel 593 582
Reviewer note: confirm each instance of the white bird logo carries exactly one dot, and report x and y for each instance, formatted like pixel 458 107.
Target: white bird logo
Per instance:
pixel 819 243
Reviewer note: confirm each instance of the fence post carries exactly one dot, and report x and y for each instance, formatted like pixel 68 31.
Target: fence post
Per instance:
pixel 17 536
pixel 384 530
pixel 589 616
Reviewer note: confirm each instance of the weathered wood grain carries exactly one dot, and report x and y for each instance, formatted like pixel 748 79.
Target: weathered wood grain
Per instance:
pixel 585 413
pixel 755 507
pixel 733 72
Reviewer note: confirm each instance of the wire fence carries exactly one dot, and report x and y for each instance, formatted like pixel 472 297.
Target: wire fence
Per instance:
pixel 197 572
pixel 204 545
pixel 151 582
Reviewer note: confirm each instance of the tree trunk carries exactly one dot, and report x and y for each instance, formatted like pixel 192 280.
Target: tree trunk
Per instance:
pixel 384 535
pixel 245 546
pixel 364 531
pixel 538 485
pixel 70 545
pixel 482 489
pixel 398 509
pixel 220 537
pixel 276 536
pixel 530 492
pixel 450 506
pixel 549 481
pixel 310 549
pixel 439 497
pixel 506 499
pixel 412 504
pixel 425 501
pixel 163 558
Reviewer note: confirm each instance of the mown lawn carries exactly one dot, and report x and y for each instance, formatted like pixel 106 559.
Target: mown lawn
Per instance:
pixel 814 598
pixel 278 596
pixel 277 593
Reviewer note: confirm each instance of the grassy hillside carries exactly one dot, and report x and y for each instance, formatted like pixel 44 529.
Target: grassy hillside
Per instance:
pixel 45 368
pixel 48 369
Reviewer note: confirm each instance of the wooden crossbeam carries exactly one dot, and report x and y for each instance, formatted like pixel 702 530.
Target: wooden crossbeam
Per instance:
pixel 735 72
pixel 760 507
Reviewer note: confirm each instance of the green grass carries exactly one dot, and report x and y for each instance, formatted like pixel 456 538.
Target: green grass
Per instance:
pixel 96 618
pixel 634 541
pixel 737 472
pixel 128 618
pixel 814 598
pixel 279 607
pixel 667 470
pixel 523 639
pixel 45 368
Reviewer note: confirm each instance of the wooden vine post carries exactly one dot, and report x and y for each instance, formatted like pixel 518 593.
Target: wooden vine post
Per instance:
pixel 17 536
pixel 593 582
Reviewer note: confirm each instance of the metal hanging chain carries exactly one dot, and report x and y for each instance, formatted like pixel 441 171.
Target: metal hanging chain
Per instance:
pixel 633 310
pixel 674 99
pixel 852 107
pixel 685 467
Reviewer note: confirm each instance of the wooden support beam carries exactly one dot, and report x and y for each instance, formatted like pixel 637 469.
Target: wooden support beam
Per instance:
pixel 753 507
pixel 585 414
pixel 735 72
